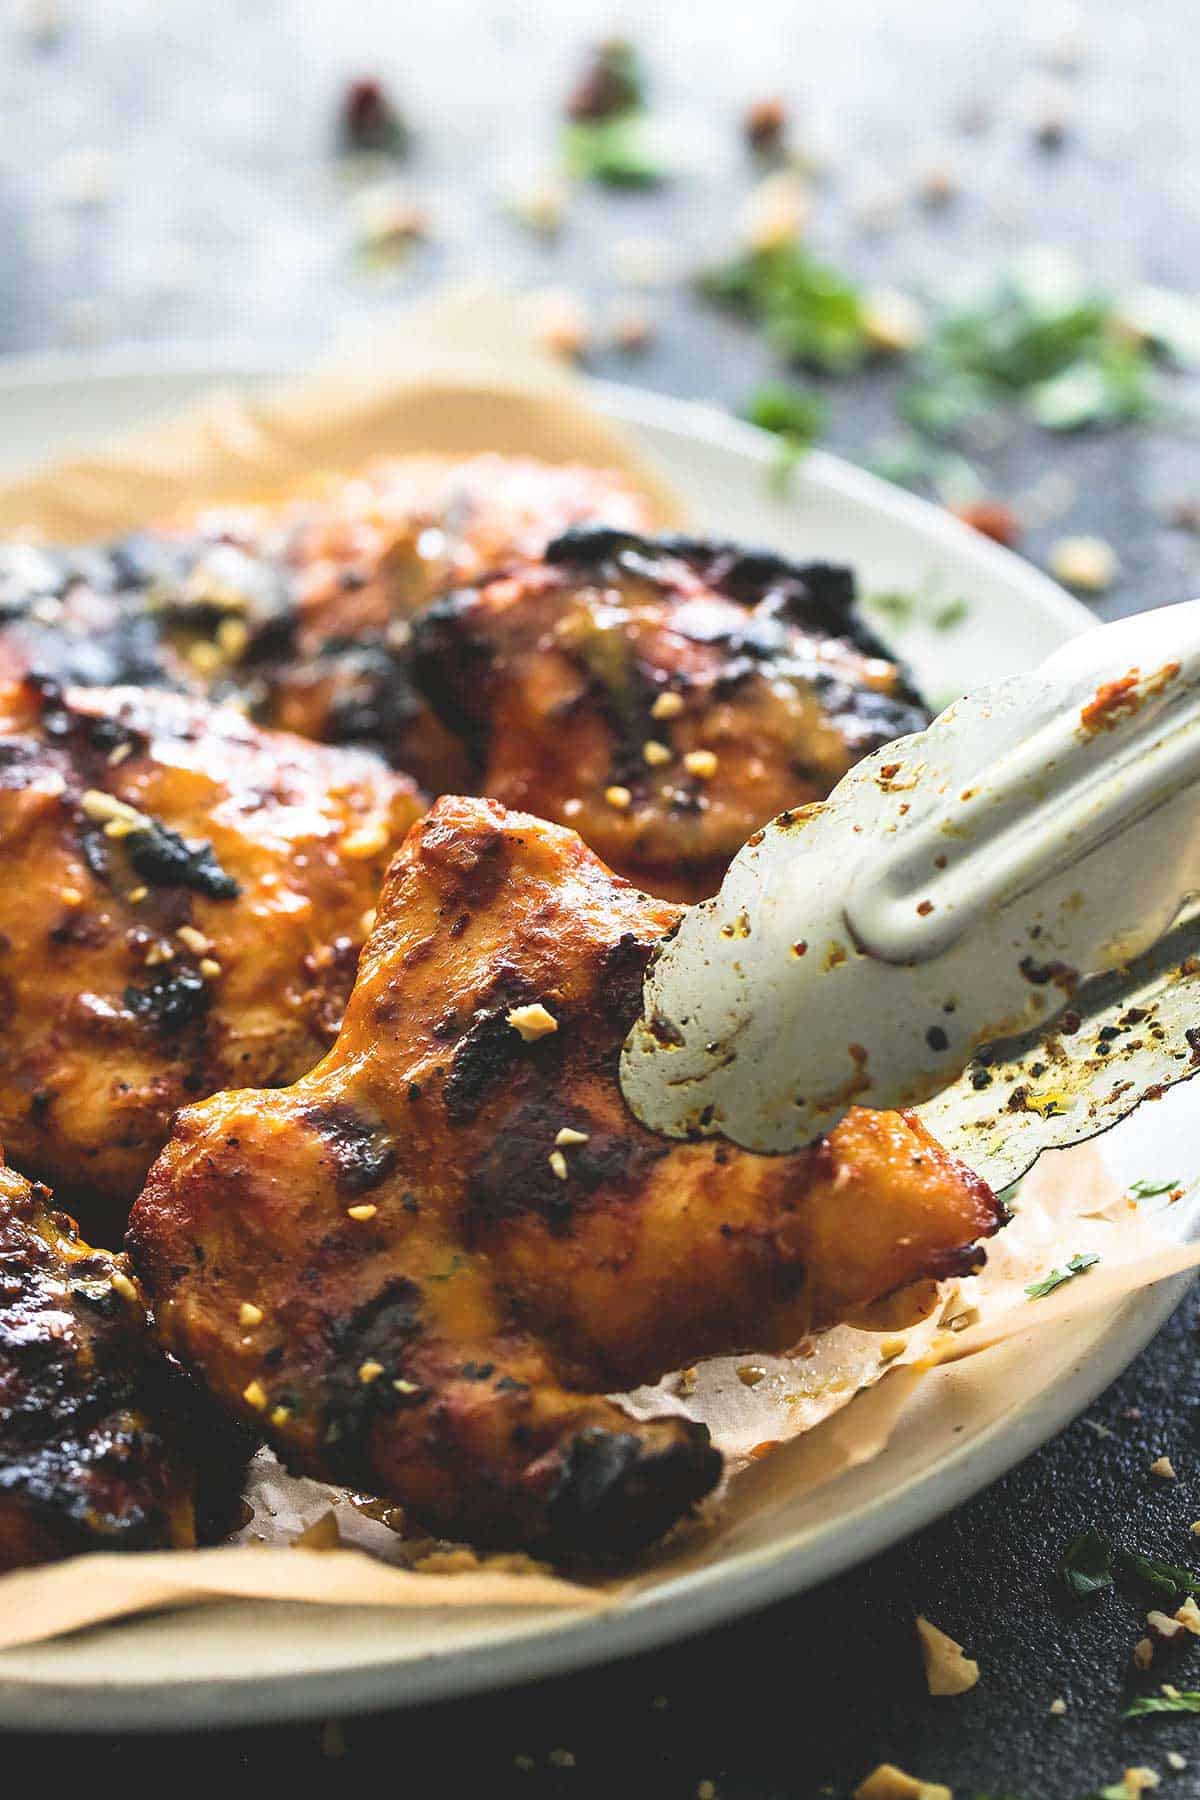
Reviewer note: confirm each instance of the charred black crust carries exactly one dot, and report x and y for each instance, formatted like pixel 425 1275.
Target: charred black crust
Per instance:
pixel 818 597
pixel 97 1431
pixel 374 701
pixel 513 1177
pixel 378 1331
pixel 173 1002
pixel 617 1492
pixel 449 662
pixel 487 1052
pixel 361 1152
pixel 619 989
pixel 164 858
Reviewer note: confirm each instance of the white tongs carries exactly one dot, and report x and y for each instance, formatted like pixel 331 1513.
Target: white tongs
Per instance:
pixel 988 920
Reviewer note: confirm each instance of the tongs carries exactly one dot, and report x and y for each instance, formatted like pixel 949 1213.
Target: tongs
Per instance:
pixel 993 921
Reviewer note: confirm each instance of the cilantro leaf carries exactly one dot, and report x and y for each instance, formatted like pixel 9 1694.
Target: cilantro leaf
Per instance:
pixel 1079 1264
pixel 951 615
pixel 1146 1189
pixel 1086 1564
pixel 794 416
pixel 1108 386
pixel 811 313
pixel 789 411
pixel 892 604
pixel 1187 1701
pixel 1042 339
pixel 619 151
pixel 1168 1579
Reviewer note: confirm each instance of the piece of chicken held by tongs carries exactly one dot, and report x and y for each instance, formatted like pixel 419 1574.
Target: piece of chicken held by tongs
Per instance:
pixel 423 1267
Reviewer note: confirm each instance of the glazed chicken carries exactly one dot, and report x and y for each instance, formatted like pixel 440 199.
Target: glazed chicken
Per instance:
pixel 422 1267
pixel 182 902
pixel 103 1445
pixel 299 609
pixel 665 696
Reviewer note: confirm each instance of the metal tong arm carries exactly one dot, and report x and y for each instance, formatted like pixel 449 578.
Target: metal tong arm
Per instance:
pixel 956 888
pixel 1080 779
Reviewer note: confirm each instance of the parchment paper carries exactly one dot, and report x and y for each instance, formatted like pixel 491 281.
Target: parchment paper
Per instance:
pixel 453 376
pixel 461 375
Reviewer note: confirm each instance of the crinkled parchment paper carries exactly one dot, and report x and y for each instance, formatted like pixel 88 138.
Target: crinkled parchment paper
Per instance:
pixel 457 376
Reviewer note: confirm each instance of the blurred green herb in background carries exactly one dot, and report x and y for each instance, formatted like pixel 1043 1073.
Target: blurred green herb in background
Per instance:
pixel 797 418
pixel 810 312
pixel 1042 338
pixel 608 136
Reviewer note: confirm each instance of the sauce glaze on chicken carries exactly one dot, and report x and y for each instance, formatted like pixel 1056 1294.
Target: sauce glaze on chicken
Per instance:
pixel 457 1240
pixel 182 902
pixel 664 696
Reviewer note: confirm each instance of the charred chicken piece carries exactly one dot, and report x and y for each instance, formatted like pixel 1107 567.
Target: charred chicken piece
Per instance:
pixel 182 902
pixel 367 553
pixel 665 696
pixel 299 608
pixel 456 1239
pixel 103 1444
pixel 90 617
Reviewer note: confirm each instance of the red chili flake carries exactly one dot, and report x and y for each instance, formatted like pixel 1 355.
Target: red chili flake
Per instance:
pixel 370 120
pixel 925 908
pixel 993 519
pixel 610 83
pixel 764 124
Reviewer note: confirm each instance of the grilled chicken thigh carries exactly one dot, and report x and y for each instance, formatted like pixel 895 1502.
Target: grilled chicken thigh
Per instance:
pixel 422 1267
pixel 182 902
pixel 299 609
pixel 665 696
pixel 103 1446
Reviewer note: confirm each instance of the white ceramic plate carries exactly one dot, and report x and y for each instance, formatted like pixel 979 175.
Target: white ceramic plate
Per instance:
pixel 229 1664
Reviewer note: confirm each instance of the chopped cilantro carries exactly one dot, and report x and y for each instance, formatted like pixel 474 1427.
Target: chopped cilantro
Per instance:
pixel 1041 338
pixel 795 417
pixel 1107 387
pixel 607 136
pixel 1089 1560
pixel 788 411
pixel 1086 1564
pixel 1168 1579
pixel 1076 1265
pixel 1185 1701
pixel 618 152
pixel 811 313
pixel 951 615
pixel 1146 1189
pixel 893 604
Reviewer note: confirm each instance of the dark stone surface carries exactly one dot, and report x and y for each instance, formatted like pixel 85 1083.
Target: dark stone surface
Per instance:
pixel 224 221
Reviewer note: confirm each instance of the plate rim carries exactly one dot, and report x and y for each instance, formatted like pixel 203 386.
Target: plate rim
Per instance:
pixel 706 1598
